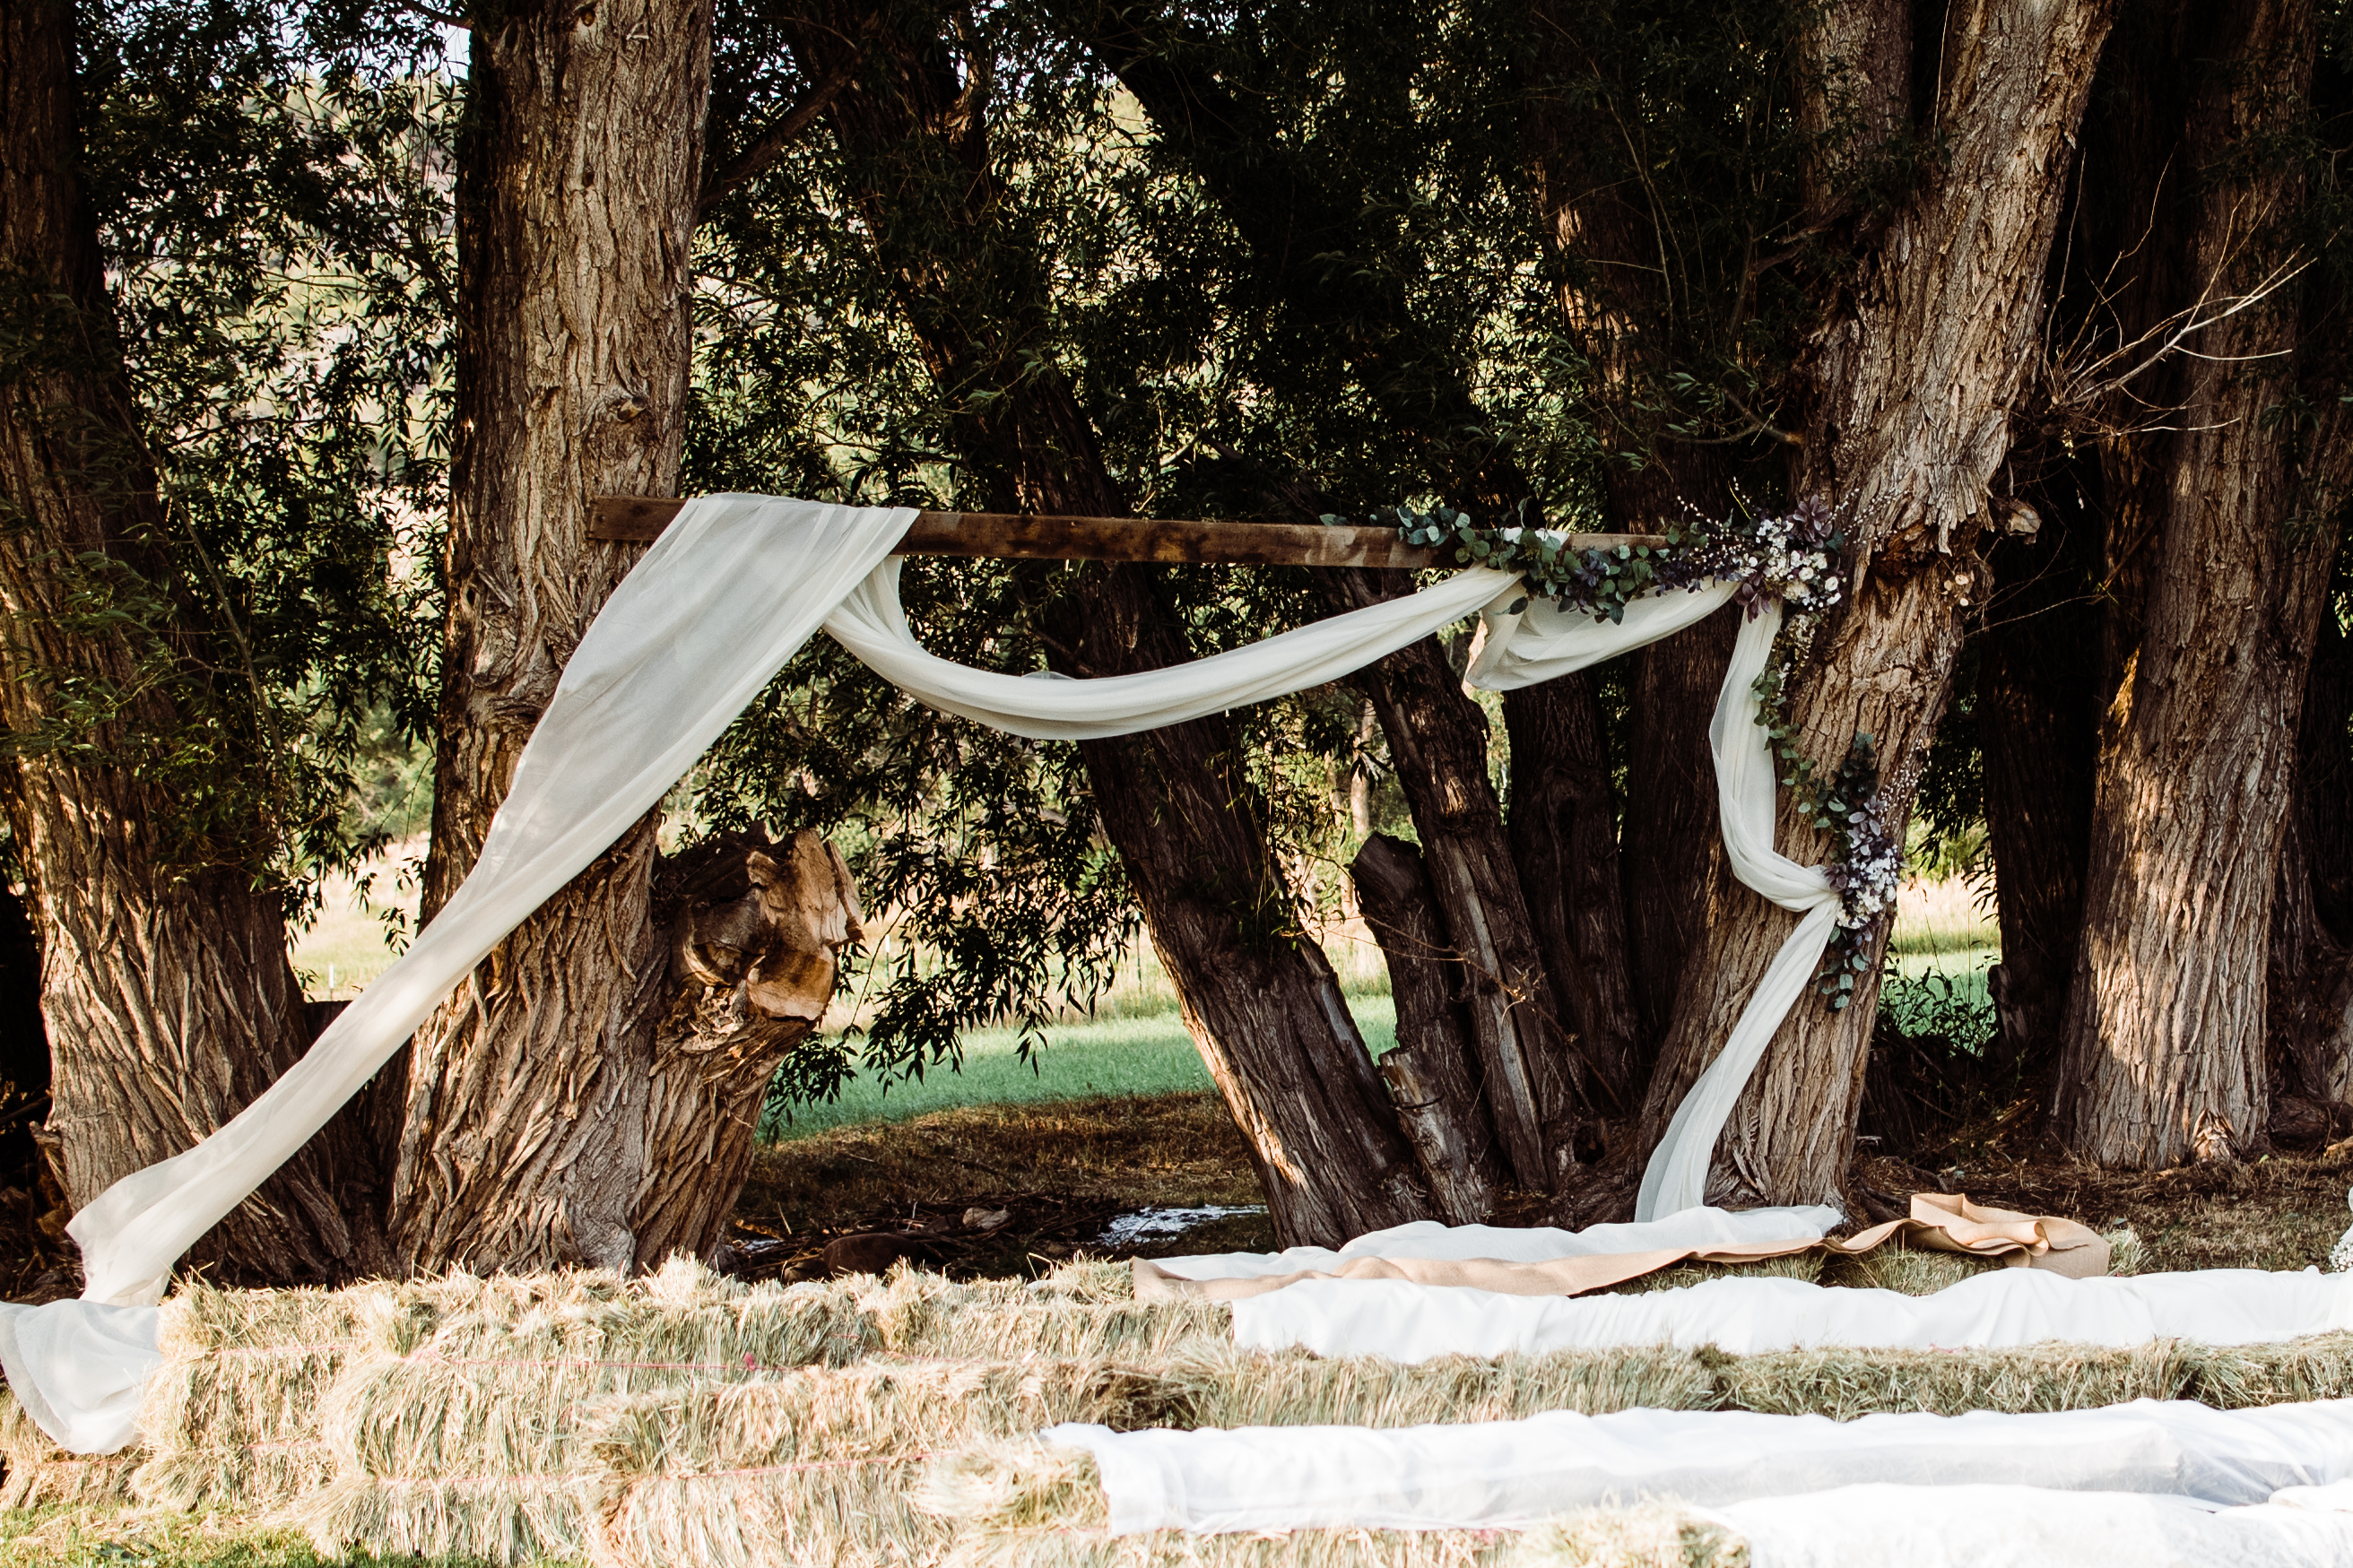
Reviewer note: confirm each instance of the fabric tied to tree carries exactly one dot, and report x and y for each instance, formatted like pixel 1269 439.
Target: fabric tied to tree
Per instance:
pixel 717 608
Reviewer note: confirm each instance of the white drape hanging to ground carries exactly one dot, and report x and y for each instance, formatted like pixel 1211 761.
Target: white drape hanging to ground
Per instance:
pixel 729 591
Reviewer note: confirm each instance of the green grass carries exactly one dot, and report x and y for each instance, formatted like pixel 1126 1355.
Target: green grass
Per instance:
pixel 1123 1057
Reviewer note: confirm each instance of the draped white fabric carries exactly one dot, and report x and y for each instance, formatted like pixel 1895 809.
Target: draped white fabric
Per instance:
pixel 1747 1315
pixel 2027 1526
pixel 1513 1474
pixel 734 587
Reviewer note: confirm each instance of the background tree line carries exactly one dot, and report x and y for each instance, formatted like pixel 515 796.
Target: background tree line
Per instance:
pixel 317 343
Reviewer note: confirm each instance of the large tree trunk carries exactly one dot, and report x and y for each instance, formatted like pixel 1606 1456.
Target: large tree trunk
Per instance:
pixel 1258 995
pixel 1525 1046
pixel 1433 1071
pixel 523 1141
pixel 2164 1033
pixel 168 997
pixel 1912 379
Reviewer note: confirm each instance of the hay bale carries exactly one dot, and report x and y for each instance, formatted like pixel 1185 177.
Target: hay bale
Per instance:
pixel 2233 1377
pixel 260 1481
pixel 1806 1266
pixel 915 1313
pixel 1912 1271
pixel 512 1520
pixel 846 1513
pixel 1293 1549
pixel 464 1433
pixel 1844 1384
pixel 874 1408
pixel 232 1413
pixel 818 1465
pixel 1219 1385
pixel 1648 1535
pixel 41 1473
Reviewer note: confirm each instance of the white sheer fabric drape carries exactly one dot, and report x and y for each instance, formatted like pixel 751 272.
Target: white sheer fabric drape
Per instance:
pixel 734 587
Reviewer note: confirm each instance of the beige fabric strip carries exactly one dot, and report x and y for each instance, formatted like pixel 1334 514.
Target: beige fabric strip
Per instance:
pixel 1939 1222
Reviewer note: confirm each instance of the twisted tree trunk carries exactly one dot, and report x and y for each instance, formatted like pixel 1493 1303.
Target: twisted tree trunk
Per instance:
pixel 1433 1071
pixel 523 1111
pixel 165 983
pixel 1912 379
pixel 1528 1055
pixel 754 930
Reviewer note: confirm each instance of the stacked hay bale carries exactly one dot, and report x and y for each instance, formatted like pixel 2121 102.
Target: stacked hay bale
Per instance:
pixel 1076 1312
pixel 1027 1504
pixel 231 1417
pixel 40 1472
pixel 461 1429
pixel 821 1465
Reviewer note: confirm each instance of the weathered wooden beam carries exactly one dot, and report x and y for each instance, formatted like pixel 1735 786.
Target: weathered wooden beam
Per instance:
pixel 1015 537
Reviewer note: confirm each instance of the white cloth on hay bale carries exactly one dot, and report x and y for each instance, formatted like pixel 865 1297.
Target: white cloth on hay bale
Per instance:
pixel 1515 1474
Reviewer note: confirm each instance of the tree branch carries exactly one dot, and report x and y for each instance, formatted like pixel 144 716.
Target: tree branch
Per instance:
pixel 756 159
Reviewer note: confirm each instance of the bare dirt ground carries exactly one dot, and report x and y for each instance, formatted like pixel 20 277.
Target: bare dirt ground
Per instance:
pixel 1060 1172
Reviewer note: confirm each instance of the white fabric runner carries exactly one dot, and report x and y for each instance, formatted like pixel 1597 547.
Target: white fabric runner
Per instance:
pixel 1513 1474
pixel 1427 1238
pixel 2021 1527
pixel 728 594
pixel 1748 1315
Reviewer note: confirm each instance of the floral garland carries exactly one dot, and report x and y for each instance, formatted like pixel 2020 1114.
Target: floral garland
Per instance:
pixel 1791 559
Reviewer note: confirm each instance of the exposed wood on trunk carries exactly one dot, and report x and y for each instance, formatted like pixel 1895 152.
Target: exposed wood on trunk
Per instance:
pixel 1912 379
pixel 755 929
pixel 1258 995
pixel 1173 541
pixel 168 997
pixel 2165 1034
pixel 1438 744
pixel 525 1100
pixel 1432 1072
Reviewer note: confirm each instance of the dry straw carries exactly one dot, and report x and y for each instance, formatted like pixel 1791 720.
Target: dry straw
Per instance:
pixel 464 1432
pixel 1067 1316
pixel 41 1473
pixel 1646 1535
pixel 818 1464
pixel 232 1413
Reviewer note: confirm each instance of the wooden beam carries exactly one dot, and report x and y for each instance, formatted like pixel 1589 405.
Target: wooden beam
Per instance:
pixel 1016 537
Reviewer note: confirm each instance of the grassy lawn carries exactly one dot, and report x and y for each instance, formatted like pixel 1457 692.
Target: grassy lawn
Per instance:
pixel 1118 1058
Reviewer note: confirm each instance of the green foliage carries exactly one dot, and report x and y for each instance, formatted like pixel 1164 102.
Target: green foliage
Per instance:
pixel 272 200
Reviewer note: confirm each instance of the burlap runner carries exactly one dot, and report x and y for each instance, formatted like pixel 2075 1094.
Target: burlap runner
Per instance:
pixel 1940 1222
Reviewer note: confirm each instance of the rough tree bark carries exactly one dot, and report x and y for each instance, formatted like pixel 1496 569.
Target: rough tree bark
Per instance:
pixel 523 1134
pixel 1258 995
pixel 2164 1054
pixel 1438 744
pixel 1433 1069
pixel 755 933
pixel 1912 377
pixel 167 993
